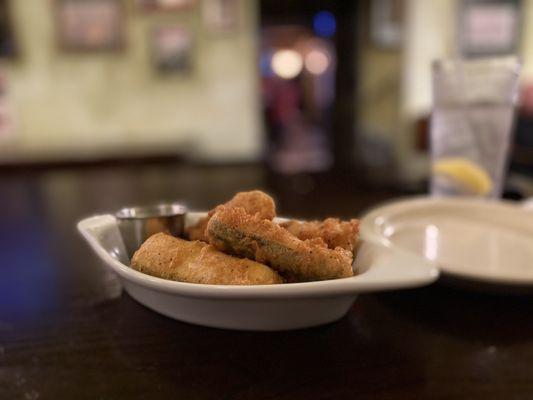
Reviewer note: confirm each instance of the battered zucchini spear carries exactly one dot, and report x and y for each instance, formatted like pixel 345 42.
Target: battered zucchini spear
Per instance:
pixel 334 232
pixel 254 202
pixel 171 258
pixel 233 230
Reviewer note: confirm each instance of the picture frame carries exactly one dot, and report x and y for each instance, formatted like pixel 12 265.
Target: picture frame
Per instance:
pixel 86 26
pixel 221 16
pixel 387 23
pixel 172 49
pixel 489 27
pixel 8 44
pixel 8 122
pixel 165 5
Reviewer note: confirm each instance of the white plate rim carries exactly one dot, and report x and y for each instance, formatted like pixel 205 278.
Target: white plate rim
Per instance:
pixel 372 218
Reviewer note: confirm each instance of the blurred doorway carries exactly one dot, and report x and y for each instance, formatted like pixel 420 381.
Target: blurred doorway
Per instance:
pixel 308 74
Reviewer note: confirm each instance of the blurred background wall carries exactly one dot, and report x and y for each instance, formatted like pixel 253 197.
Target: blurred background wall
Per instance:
pixel 97 104
pixel 300 84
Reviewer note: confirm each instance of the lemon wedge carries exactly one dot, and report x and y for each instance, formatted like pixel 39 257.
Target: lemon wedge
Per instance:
pixel 466 173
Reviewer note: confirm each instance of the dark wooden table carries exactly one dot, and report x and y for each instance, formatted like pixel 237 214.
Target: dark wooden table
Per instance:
pixel 67 331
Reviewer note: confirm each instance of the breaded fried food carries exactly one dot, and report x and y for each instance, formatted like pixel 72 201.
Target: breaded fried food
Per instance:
pixel 197 231
pixel 254 202
pixel 234 231
pixel 168 257
pixel 334 232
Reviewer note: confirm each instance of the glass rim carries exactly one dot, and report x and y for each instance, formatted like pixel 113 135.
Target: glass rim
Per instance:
pixel 512 62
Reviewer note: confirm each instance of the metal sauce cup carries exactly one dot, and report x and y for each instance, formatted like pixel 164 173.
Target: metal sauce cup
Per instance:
pixel 136 224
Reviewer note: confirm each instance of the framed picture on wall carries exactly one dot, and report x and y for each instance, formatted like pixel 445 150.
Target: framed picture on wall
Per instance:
pixel 221 15
pixel 165 5
pixel 171 49
pixel 8 126
pixel 8 47
pixel 90 25
pixel 489 27
pixel 386 23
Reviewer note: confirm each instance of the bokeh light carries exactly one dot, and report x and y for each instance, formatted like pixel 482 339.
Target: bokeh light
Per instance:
pixel 265 64
pixel 287 64
pixel 317 62
pixel 324 24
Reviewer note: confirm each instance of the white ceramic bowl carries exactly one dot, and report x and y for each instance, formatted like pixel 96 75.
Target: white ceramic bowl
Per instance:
pixel 262 307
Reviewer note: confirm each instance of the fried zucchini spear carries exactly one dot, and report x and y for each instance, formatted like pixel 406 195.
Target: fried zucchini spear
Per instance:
pixel 254 202
pixel 234 231
pixel 171 258
pixel 334 232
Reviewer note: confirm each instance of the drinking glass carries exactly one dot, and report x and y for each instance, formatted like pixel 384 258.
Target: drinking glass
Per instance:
pixel 471 123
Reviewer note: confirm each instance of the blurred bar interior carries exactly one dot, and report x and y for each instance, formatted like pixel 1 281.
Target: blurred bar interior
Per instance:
pixel 304 86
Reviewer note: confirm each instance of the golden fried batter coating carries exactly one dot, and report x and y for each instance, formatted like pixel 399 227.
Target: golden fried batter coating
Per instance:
pixel 334 232
pixel 197 231
pixel 168 257
pixel 233 230
pixel 254 202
